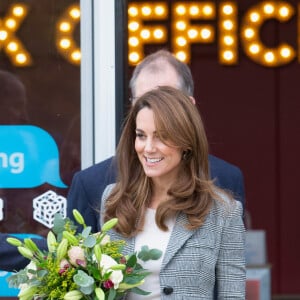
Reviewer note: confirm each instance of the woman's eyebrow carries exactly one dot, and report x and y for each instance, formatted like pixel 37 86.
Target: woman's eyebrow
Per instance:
pixel 142 131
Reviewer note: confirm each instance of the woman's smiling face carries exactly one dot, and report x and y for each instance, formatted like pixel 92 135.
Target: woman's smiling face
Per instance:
pixel 160 161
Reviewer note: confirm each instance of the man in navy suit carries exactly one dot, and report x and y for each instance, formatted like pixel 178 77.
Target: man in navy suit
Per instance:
pixel 157 69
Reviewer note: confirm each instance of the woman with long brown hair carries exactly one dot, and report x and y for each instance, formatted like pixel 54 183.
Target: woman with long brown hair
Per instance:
pixel 164 198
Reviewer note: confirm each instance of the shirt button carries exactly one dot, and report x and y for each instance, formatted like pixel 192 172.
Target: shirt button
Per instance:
pixel 168 290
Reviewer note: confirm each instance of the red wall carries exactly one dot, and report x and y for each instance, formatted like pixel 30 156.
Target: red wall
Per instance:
pixel 252 119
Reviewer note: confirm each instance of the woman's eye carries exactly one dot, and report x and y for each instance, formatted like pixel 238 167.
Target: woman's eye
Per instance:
pixel 140 135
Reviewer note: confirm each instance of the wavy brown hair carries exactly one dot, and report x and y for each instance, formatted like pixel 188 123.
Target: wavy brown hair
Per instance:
pixel 178 123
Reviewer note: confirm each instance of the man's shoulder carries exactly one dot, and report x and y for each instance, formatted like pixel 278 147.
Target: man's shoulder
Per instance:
pixel 96 177
pixel 227 176
pixel 98 169
pixel 219 165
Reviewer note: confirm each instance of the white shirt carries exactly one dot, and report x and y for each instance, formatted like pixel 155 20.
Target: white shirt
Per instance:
pixel 153 237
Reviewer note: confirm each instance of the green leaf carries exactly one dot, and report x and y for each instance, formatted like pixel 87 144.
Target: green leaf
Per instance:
pixel 155 254
pixel 132 279
pixel 112 294
pixel 95 272
pixel 41 273
pixel 144 255
pixel 139 291
pixel 83 279
pixel 106 275
pixel 58 223
pixel 73 295
pixel 89 242
pixel 131 262
pixel 86 231
pixel 138 267
pixel 149 254
pixel 85 282
pixel 99 294
pixel 17 278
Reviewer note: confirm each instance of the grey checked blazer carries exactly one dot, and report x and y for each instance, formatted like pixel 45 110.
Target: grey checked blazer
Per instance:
pixel 197 259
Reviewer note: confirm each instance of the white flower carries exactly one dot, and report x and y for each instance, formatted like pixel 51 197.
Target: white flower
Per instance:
pixel 105 240
pixel 116 277
pixel 76 255
pixel 106 263
pixel 64 264
pixel 31 266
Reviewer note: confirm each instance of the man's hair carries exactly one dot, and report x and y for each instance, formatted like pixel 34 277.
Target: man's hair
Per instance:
pixel 156 61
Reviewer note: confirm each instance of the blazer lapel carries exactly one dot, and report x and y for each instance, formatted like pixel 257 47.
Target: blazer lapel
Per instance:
pixel 178 237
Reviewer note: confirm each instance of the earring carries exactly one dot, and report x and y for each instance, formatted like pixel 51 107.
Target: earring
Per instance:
pixel 186 154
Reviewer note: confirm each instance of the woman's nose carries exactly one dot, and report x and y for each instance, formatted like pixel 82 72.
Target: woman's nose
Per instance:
pixel 149 146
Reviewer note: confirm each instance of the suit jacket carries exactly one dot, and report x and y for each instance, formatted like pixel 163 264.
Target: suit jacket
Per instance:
pixel 88 185
pixel 196 260
pixel 85 195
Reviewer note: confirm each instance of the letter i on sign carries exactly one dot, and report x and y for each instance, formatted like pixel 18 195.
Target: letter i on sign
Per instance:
pixel 228 27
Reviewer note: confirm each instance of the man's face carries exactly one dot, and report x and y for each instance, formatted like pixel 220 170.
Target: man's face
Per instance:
pixel 149 80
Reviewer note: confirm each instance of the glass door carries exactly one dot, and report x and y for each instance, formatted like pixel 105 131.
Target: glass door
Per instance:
pixel 40 112
pixel 58 109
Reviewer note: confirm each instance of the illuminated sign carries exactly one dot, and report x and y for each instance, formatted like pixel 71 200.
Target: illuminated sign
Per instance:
pixel 65 43
pixel 185 31
pixel 190 23
pixel 253 21
pixel 15 50
pixel 64 34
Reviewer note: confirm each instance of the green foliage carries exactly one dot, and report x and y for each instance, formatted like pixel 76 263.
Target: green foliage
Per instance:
pixel 149 254
pixel 79 265
pixel 85 282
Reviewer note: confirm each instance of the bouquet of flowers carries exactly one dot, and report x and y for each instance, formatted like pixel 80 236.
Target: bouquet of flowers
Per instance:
pixel 79 265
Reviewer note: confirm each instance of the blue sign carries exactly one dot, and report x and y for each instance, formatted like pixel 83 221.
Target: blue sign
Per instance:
pixel 29 157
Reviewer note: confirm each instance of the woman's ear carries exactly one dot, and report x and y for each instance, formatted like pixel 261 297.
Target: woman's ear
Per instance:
pixel 186 154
